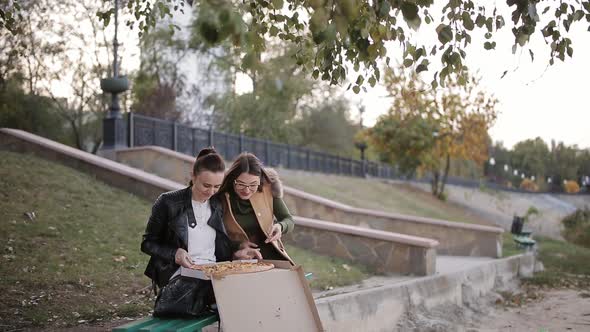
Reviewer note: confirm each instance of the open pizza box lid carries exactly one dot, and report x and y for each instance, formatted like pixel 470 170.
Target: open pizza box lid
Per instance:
pixel 273 300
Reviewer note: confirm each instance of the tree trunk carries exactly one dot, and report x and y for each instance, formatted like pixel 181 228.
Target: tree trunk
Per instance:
pixel 445 176
pixel 434 182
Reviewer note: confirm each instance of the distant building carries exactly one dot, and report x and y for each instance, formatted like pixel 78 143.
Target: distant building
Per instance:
pixel 201 78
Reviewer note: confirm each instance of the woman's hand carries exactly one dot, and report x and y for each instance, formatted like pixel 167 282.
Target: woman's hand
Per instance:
pixel 248 252
pixel 275 234
pixel 182 258
pixel 248 244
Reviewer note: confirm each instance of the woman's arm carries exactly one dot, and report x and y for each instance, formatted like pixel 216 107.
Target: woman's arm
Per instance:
pixel 284 218
pixel 155 231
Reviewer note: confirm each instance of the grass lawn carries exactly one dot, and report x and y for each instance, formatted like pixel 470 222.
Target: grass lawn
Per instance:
pixel 79 259
pixel 509 247
pixel 566 264
pixel 375 194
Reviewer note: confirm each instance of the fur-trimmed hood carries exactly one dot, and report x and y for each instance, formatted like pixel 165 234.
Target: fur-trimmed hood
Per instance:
pixel 276 185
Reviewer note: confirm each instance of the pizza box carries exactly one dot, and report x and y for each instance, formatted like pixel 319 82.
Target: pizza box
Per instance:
pixel 275 300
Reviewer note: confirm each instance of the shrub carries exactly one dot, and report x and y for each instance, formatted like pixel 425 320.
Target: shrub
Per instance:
pixel 571 187
pixel 577 227
pixel 528 185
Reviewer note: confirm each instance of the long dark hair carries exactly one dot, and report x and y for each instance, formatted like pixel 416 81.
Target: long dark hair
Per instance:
pixel 245 163
pixel 208 160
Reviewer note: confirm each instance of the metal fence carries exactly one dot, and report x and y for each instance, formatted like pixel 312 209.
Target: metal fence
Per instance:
pixel 145 130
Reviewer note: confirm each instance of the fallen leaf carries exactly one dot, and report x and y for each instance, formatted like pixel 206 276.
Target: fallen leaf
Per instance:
pixel 119 259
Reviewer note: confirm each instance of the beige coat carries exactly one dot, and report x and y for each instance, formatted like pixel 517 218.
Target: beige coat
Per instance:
pixel 262 204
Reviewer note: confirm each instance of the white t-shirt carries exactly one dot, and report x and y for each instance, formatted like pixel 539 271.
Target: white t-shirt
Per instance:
pixel 201 237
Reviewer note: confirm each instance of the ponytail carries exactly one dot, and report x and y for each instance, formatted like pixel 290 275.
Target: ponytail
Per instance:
pixel 208 160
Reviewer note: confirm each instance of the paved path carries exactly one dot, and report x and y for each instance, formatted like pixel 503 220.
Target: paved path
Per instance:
pixel 559 310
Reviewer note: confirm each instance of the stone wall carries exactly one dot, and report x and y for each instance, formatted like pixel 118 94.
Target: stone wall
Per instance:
pixel 455 238
pixel 382 308
pixel 384 252
pixel 168 164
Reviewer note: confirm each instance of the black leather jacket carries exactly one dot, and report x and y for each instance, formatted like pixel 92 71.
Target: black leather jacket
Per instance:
pixel 167 230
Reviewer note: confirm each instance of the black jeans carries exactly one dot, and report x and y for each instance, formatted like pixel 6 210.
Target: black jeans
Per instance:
pixel 184 297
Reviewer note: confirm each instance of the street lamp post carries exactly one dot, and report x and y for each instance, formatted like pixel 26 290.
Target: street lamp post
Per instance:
pixel 114 126
pixel 362 145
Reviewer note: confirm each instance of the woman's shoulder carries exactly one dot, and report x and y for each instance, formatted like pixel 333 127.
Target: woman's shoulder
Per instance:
pixel 175 196
pixel 276 185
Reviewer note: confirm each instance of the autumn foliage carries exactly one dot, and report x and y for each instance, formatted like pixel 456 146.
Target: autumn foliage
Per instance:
pixel 425 129
pixel 529 185
pixel 571 187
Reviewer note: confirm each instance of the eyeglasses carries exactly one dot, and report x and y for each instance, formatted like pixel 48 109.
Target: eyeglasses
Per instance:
pixel 243 186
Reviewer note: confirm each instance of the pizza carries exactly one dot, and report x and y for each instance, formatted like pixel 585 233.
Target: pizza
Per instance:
pixel 237 267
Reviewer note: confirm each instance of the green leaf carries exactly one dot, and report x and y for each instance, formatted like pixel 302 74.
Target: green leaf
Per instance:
pixel 421 68
pixel 359 80
pixel 445 33
pixel 419 53
pixel 487 46
pixel 408 62
pixel 274 31
pixel 372 81
pixel 277 4
pixel 356 89
pixel 489 23
pixel 532 55
pixel 467 21
pixel 409 11
pixel 480 21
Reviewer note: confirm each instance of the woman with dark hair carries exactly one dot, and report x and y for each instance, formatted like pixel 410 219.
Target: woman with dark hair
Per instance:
pixel 255 215
pixel 186 229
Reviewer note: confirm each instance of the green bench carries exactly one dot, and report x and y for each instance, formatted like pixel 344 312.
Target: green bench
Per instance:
pixel 154 324
pixel 524 241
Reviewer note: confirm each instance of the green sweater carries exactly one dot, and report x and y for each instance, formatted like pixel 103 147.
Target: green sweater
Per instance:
pixel 244 214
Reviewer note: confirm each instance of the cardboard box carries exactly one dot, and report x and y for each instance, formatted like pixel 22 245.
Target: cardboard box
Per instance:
pixel 273 300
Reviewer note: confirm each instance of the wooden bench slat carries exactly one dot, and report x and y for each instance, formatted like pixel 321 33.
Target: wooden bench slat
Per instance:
pixel 162 325
pixel 136 325
pixel 197 325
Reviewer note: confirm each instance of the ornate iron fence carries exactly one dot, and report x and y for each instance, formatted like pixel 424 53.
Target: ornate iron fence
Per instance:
pixel 145 130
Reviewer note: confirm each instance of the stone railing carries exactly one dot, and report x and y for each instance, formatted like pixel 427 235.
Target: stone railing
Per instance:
pixel 455 238
pixel 385 252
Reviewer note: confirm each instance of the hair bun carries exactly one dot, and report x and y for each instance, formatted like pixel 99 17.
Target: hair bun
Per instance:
pixel 206 152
